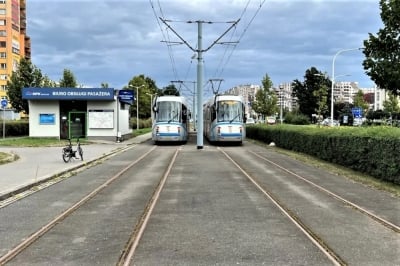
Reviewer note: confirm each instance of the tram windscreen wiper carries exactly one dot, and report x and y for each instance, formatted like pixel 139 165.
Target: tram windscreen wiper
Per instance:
pixel 173 118
pixel 230 121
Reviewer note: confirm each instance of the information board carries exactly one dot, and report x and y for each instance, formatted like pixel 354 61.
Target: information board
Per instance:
pixel 101 118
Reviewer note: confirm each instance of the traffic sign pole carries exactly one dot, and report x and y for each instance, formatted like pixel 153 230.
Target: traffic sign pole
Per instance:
pixel 3 105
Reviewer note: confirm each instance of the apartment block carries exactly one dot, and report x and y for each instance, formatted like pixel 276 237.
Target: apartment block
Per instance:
pixel 344 91
pixel 14 41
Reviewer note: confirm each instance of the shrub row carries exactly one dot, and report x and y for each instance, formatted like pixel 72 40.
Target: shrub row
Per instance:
pixel 14 128
pixel 375 150
pixel 142 123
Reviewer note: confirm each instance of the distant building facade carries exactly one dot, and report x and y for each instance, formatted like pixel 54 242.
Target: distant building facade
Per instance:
pixel 14 41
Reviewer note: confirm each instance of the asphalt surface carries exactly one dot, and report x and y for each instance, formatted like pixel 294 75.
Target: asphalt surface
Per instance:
pixel 38 164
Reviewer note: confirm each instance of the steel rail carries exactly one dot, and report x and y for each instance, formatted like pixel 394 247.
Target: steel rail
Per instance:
pixel 375 217
pixel 129 251
pixel 32 238
pixel 329 253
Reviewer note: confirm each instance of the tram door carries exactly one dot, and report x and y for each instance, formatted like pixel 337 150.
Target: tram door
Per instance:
pixel 77 125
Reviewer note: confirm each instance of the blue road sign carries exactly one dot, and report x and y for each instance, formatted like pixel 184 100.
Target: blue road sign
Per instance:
pixel 4 103
pixel 357 112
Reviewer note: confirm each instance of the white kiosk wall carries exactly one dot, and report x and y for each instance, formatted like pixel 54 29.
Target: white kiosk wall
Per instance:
pixel 102 119
pixel 44 119
pixel 105 120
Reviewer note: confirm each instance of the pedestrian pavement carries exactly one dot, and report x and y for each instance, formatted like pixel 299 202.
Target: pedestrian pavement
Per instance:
pixel 38 164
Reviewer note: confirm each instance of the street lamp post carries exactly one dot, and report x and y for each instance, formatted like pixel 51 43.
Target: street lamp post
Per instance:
pixel 151 103
pixel 137 103
pixel 333 77
pixel 281 101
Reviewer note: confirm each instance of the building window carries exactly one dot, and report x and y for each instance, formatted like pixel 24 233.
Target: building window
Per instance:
pixel 2 11
pixel 3 44
pixel 2 22
pixel 3 55
pixel 2 1
pixel 15 65
pixel 3 33
pixel 3 77
pixel 3 66
pixel 3 87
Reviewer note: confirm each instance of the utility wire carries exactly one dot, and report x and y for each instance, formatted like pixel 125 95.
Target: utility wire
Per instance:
pixel 165 37
pixel 244 31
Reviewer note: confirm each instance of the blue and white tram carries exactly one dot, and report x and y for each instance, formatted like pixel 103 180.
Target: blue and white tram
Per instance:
pixel 223 118
pixel 170 119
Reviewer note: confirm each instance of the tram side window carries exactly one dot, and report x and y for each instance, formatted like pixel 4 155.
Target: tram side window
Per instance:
pixel 184 114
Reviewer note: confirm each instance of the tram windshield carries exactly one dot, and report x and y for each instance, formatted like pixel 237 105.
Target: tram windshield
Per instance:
pixel 169 112
pixel 229 111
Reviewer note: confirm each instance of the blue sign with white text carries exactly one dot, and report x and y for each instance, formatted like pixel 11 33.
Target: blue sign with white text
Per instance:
pixel 357 112
pixel 126 96
pixel 68 93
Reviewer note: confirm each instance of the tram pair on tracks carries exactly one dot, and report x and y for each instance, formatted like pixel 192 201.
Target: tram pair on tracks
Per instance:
pixel 223 119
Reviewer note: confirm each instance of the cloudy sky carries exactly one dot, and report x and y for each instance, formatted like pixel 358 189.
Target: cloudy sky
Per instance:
pixel 114 40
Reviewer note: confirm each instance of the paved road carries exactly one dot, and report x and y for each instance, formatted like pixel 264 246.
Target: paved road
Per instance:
pixel 36 164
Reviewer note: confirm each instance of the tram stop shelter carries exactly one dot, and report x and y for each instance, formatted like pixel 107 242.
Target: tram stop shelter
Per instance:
pixel 92 113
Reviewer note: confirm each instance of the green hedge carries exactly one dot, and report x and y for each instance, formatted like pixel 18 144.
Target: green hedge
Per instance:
pixel 142 123
pixel 14 128
pixel 371 150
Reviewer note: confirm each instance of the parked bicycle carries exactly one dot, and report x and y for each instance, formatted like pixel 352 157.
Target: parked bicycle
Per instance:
pixel 68 151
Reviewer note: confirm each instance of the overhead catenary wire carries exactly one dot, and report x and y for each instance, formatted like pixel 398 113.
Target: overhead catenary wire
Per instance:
pixel 243 33
pixel 165 37
pixel 231 45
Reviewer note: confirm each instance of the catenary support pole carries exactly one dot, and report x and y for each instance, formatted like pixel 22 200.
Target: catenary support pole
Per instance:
pixel 199 87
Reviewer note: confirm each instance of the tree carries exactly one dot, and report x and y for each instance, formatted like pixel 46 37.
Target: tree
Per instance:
pixel 171 90
pixel 104 85
pixel 308 100
pixel 265 102
pixel 392 104
pixel 47 82
pixel 68 80
pixel 321 95
pixel 147 89
pixel 26 75
pixel 382 52
pixel 359 101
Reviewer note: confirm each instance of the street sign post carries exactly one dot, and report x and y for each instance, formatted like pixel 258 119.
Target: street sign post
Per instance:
pixel 3 106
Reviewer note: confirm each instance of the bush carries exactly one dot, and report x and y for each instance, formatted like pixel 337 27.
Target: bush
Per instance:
pixel 15 128
pixel 142 123
pixel 358 148
pixel 296 119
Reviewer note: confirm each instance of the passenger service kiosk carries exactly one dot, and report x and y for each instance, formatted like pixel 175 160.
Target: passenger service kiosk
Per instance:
pixel 92 113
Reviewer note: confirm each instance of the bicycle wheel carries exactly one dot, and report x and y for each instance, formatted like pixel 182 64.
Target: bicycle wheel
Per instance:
pixel 80 151
pixel 66 155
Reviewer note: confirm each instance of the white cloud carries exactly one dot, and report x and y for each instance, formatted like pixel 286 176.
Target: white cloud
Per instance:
pixel 112 41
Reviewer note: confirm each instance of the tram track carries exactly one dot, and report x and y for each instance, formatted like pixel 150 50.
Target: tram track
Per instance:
pixel 129 251
pixel 308 232
pixel 287 184
pixel 35 236
pixel 395 228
